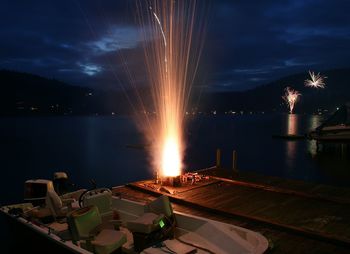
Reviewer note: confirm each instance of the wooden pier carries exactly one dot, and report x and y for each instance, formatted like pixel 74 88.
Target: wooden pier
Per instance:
pixel 296 217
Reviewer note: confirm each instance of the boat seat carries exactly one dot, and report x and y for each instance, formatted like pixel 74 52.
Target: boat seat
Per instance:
pixel 146 223
pixel 156 214
pixel 103 201
pixel 155 224
pixel 108 240
pixel 85 225
pixel 58 207
pixel 160 205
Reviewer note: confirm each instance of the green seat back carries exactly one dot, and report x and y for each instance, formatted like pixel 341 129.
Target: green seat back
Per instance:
pixel 103 202
pixel 161 205
pixel 82 221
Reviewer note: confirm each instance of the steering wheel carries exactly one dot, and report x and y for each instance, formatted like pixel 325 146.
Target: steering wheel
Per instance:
pixel 88 193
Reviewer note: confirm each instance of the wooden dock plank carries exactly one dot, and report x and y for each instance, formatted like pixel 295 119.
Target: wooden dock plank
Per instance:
pixel 340 194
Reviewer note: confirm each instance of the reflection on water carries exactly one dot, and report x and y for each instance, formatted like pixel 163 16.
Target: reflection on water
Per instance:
pixel 330 159
pixel 292 124
pixel 292 129
pixel 312 148
pixel 314 122
pixel 95 147
pixel 333 160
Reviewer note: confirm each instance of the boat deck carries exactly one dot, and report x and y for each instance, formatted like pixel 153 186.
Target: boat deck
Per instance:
pixel 296 217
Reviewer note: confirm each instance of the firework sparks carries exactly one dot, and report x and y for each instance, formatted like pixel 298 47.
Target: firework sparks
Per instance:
pixel 315 81
pixel 291 97
pixel 171 59
pixel 164 39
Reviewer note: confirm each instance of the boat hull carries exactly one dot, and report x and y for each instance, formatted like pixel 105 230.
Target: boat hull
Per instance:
pixel 220 238
pixel 22 237
pixel 333 133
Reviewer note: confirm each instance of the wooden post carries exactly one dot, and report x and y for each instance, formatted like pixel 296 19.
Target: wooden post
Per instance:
pixel 218 158
pixel 234 161
pixel 157 177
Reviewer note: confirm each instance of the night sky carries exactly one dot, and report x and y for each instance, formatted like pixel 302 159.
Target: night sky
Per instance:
pixel 248 43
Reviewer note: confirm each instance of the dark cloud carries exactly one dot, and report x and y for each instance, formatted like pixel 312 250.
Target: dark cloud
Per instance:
pixel 257 42
pixel 248 43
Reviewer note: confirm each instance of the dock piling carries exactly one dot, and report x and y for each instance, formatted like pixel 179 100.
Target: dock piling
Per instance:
pixel 218 158
pixel 234 161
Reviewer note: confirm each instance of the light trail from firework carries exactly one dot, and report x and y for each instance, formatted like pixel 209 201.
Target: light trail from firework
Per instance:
pixel 291 96
pixel 315 81
pixel 171 58
pixel 164 39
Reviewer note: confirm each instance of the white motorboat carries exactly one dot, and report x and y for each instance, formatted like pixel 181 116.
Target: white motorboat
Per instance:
pixel 335 128
pixel 95 221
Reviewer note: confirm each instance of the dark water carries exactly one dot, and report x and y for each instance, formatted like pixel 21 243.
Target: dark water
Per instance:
pixel 251 136
pixel 95 147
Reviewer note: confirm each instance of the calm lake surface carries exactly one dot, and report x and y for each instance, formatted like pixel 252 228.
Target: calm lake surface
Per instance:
pixel 96 148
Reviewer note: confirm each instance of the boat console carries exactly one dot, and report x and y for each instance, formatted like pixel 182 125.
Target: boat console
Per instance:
pixel 35 190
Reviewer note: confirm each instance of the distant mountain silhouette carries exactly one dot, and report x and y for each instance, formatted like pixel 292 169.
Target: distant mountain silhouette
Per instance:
pixel 268 97
pixel 35 95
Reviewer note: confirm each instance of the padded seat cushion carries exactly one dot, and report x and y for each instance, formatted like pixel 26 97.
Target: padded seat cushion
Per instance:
pixel 108 240
pixel 145 223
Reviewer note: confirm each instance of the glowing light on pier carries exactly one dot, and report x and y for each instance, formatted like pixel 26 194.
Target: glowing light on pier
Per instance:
pixel 171 57
pixel 315 81
pixel 291 96
pixel 171 160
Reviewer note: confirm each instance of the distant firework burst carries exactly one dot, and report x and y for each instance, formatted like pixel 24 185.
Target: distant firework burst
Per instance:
pixel 315 81
pixel 291 96
pixel 172 40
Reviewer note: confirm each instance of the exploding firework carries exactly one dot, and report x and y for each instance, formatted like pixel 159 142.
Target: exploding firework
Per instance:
pixel 171 57
pixel 315 81
pixel 291 97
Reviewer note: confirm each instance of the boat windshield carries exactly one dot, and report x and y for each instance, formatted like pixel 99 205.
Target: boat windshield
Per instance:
pixel 35 190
